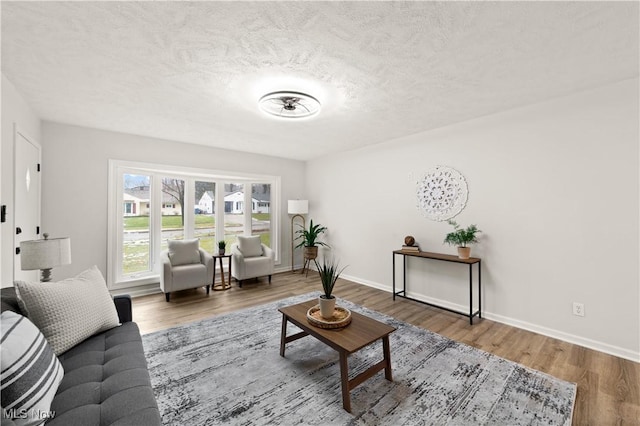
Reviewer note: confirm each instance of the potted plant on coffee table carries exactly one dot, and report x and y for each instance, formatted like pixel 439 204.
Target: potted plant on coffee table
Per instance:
pixel 310 241
pixel 329 272
pixel 462 237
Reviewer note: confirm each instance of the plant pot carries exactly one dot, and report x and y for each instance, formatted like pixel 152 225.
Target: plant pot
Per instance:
pixel 464 252
pixel 310 252
pixel 327 306
pixel 221 252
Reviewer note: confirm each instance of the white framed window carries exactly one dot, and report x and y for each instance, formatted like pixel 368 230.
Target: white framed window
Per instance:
pixel 150 204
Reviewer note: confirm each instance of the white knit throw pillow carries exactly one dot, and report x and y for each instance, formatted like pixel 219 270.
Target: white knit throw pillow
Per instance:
pixel 69 311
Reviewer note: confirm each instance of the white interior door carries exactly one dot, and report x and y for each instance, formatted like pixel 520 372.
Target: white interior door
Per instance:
pixel 26 198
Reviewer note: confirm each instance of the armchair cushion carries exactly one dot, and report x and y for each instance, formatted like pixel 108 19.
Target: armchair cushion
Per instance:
pixel 250 246
pixel 195 273
pixel 184 252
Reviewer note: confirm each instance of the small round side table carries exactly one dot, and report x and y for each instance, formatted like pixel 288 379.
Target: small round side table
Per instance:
pixel 223 285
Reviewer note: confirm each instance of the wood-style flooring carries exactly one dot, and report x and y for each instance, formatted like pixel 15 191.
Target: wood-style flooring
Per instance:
pixel 608 386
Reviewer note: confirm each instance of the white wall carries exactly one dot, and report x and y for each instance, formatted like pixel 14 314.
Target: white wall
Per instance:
pixel 14 111
pixel 75 182
pixel 555 188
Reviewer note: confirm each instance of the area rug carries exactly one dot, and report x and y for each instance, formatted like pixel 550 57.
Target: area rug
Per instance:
pixel 228 370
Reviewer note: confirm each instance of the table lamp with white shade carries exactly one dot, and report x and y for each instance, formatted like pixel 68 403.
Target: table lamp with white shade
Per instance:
pixel 45 254
pixel 297 208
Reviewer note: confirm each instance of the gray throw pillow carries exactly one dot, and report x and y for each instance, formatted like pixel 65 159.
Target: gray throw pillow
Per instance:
pixel 250 246
pixel 69 311
pixel 184 252
pixel 31 372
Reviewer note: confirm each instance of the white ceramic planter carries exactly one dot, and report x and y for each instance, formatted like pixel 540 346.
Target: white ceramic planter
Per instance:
pixel 327 306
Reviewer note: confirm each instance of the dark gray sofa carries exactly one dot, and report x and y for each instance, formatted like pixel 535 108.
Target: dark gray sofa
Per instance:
pixel 106 381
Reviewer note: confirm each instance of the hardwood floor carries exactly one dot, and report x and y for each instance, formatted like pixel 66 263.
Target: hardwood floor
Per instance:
pixel 608 386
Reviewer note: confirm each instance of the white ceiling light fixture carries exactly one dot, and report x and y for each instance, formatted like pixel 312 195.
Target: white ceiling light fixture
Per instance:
pixel 289 104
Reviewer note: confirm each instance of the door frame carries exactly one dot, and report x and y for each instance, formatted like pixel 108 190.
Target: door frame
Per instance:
pixel 18 132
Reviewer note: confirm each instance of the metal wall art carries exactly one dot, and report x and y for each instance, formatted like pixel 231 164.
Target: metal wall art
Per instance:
pixel 442 193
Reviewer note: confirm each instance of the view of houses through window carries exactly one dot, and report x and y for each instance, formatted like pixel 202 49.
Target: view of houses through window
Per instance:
pixel 150 219
pixel 261 212
pixel 205 223
pixel 172 210
pixel 136 225
pixel 233 211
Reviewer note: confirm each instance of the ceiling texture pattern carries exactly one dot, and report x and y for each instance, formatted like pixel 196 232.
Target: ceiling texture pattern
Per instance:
pixel 194 71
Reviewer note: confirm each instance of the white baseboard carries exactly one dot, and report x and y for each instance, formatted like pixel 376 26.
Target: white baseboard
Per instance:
pixel 417 296
pixel 137 291
pixel 567 337
pixel 545 331
pixel 366 282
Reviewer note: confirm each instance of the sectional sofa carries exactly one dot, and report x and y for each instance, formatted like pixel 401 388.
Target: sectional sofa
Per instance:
pixel 105 379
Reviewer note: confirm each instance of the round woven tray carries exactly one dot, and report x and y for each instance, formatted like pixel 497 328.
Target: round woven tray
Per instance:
pixel 341 318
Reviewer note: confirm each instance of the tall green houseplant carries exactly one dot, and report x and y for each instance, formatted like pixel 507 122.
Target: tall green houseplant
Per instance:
pixel 310 242
pixel 310 236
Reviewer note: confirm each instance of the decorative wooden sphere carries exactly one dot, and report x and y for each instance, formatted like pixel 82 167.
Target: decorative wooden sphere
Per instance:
pixel 409 240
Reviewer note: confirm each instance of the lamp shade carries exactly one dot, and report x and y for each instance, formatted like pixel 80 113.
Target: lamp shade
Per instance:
pixel 46 253
pixel 298 207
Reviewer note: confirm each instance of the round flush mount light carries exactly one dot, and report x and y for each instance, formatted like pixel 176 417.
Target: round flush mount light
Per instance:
pixel 289 104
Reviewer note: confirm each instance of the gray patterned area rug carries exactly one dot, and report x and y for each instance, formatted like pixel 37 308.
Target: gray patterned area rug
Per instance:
pixel 228 370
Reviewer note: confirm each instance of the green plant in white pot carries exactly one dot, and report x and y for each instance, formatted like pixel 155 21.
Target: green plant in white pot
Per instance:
pixel 329 272
pixel 462 237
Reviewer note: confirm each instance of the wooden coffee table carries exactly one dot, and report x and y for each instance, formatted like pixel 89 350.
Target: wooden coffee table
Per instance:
pixel 362 332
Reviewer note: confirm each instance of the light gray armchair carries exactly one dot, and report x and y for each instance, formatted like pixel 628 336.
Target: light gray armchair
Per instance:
pixel 185 265
pixel 251 259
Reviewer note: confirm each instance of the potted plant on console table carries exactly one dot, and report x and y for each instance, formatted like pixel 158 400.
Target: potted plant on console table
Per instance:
pixel 462 237
pixel 329 273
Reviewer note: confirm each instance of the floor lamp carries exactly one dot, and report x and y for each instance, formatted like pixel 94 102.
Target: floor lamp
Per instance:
pixel 297 208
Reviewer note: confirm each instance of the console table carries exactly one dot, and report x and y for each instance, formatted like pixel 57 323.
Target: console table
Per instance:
pixel 446 258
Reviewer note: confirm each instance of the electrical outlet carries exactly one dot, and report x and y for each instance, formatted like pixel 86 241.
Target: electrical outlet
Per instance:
pixel 578 309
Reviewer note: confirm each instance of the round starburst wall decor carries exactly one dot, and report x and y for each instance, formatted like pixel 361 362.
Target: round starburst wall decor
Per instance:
pixel 442 193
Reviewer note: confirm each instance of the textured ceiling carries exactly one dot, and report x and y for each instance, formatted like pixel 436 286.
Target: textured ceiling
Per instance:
pixel 193 71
